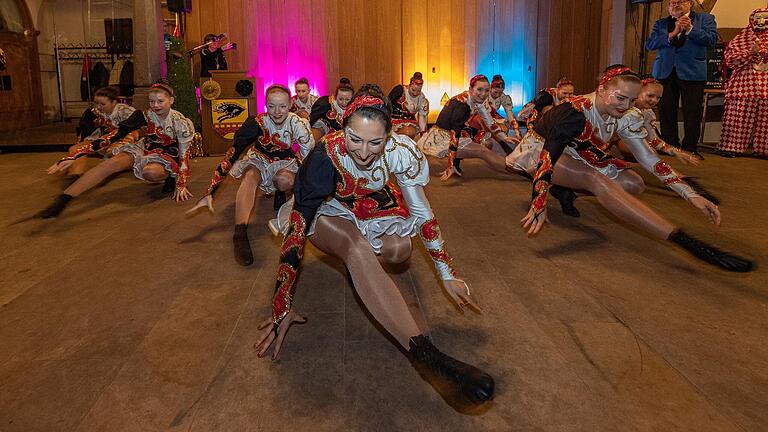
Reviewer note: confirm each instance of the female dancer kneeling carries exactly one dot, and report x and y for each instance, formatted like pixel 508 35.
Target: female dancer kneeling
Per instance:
pixel 570 143
pixel 155 143
pixel 347 204
pixel 269 165
pixel 463 125
pixel 327 111
pixel 408 103
pixel 97 121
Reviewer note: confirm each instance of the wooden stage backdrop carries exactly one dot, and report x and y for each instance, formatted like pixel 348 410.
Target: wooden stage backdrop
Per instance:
pixel 531 42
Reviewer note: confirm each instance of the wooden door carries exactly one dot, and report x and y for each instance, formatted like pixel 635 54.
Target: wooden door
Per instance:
pixel 20 91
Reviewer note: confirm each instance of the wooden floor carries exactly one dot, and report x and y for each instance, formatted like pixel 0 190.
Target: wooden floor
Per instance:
pixel 125 315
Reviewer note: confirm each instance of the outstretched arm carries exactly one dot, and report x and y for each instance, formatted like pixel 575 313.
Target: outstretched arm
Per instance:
pixel 430 235
pixel 244 137
pixel 558 128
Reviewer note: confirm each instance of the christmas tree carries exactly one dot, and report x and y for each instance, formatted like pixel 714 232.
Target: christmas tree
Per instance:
pixel 180 78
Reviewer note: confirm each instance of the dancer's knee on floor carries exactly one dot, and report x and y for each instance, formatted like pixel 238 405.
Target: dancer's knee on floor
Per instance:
pixel 283 180
pixel 152 174
pixel 633 184
pixel 396 250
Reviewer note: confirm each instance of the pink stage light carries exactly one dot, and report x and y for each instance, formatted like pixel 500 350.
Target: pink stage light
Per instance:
pixel 284 52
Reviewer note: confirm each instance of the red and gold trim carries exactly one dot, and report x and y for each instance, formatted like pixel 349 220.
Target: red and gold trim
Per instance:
pixel 440 256
pixel 430 230
pixel 662 169
pixel 291 253
pixel 541 182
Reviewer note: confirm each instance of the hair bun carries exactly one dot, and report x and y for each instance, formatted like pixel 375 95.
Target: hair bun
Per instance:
pixel 345 80
pixel 417 75
pixel 496 77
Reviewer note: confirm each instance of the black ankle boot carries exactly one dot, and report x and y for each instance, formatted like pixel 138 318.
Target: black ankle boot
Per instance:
pixel 710 254
pixel 243 253
pixel 474 385
pixel 53 210
pixel 699 189
pixel 457 165
pixel 566 197
pixel 169 185
pixel 280 199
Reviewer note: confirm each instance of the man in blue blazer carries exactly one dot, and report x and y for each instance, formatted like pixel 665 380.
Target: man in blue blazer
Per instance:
pixel 681 40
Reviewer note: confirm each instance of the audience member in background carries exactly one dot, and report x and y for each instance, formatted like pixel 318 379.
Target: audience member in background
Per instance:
pixel 681 40
pixel 746 94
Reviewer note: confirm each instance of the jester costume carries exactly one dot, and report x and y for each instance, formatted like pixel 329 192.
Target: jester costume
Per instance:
pixel 746 92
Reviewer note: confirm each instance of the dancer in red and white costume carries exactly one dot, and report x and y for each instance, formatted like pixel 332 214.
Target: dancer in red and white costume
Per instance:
pixel 100 119
pixel 408 103
pixel 302 101
pixel 746 93
pixel 570 144
pixel 270 163
pixel 360 194
pixel 545 99
pixel 500 100
pixel 154 143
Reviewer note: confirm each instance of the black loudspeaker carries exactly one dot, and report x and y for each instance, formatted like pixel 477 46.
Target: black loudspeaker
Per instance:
pixel 119 35
pixel 180 6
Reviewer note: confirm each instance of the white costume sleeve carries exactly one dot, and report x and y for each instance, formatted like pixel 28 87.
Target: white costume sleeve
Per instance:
pixel 423 112
pixel 634 135
pixel 410 167
pixel 301 133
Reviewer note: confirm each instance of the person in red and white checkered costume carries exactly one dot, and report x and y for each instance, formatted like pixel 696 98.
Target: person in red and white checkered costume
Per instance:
pixel 746 93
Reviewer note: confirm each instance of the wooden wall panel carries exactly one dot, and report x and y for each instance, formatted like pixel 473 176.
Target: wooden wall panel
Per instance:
pixel 533 42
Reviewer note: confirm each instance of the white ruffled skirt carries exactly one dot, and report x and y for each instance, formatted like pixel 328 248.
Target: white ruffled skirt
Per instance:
pixel 266 168
pixel 140 160
pixel 436 142
pixel 371 229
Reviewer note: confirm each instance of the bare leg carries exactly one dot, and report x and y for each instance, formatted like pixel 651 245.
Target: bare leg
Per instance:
pixel 340 238
pixel 395 249
pixel 91 178
pixel 78 167
pixel 631 182
pixel 283 180
pixel 576 175
pixel 97 174
pixel 474 150
pixel 408 131
pixel 246 195
pixel 154 173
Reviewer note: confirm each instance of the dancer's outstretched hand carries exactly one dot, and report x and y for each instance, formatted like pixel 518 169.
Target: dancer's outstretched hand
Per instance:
pixel 269 335
pixel 512 140
pixel 182 194
pixel 533 222
pixel 687 158
pixel 206 201
pixel 448 173
pixel 708 208
pixel 459 292
pixel 60 166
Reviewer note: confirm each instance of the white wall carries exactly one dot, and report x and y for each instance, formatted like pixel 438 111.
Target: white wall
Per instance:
pixel 72 21
pixel 735 13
